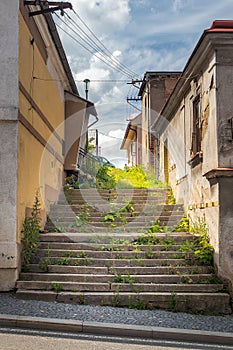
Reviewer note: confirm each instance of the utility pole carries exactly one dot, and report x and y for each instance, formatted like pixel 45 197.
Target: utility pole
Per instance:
pixel 97 142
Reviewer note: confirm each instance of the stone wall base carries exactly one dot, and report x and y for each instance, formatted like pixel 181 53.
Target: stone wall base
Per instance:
pixel 8 278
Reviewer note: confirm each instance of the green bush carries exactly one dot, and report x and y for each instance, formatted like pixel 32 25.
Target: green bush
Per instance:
pixel 104 180
pixel 134 177
pixel 182 226
pixel 157 227
pixel 200 247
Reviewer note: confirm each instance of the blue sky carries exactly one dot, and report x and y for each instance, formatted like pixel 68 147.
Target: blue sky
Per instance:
pixel 145 35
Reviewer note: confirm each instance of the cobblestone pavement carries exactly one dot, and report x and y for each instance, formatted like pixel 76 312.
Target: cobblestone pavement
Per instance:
pixel 157 318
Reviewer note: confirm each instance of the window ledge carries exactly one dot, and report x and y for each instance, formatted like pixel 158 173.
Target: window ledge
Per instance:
pixel 196 159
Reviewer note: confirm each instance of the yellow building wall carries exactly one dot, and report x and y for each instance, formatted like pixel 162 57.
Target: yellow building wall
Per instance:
pixel 41 111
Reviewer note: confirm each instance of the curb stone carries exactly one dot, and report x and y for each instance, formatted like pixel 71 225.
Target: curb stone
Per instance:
pixel 122 330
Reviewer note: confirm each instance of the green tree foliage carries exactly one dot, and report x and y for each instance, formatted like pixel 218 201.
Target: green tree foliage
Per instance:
pixel 134 177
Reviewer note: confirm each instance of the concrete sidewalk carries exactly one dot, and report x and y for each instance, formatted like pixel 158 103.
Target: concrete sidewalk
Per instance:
pixel 122 330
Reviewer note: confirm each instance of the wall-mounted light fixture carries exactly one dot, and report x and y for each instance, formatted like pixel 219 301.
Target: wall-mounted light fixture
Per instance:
pixel 87 84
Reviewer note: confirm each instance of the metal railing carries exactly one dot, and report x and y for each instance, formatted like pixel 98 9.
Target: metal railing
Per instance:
pixel 88 163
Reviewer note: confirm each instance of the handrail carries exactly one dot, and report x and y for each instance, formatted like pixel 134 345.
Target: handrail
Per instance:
pixel 88 163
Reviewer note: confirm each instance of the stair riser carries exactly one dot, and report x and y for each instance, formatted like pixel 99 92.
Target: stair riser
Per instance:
pixel 108 278
pixel 133 268
pixel 69 247
pixel 107 238
pixel 66 212
pixel 115 287
pixel 141 220
pixel 117 198
pixel 124 262
pixel 113 255
pixel 180 302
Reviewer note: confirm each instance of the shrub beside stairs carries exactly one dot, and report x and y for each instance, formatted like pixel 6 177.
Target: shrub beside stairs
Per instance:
pixel 95 252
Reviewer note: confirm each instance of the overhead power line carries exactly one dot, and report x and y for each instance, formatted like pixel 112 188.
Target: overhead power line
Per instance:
pixel 105 48
pixel 92 49
pixel 91 46
pixel 81 81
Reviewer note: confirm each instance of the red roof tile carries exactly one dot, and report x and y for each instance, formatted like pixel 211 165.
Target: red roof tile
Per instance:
pixel 221 26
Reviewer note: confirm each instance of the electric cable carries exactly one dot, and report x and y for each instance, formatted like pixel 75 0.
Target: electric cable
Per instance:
pixel 98 40
pixel 92 48
pixel 102 58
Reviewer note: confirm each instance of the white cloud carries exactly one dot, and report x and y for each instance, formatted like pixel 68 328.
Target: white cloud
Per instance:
pixel 110 144
pixel 141 39
pixel 118 134
pixel 178 5
pixel 106 15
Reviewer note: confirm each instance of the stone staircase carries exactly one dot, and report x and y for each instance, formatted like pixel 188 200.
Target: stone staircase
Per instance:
pixel 98 257
pixel 131 210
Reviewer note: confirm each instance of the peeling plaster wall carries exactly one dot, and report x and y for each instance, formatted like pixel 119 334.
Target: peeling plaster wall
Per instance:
pixel 225 158
pixel 205 187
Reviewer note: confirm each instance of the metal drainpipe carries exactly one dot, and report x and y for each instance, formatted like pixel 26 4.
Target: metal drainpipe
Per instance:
pixel 157 156
pixel 149 121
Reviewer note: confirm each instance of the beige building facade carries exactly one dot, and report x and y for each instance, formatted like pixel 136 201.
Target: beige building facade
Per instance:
pixel 141 144
pixel 194 130
pixel 132 142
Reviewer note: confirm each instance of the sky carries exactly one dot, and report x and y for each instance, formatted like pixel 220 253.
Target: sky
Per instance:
pixel 144 35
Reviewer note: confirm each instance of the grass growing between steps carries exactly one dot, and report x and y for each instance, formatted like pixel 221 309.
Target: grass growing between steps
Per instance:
pixel 199 247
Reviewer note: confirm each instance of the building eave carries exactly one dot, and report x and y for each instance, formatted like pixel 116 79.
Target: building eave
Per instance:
pixel 129 135
pixel 61 52
pixel 89 105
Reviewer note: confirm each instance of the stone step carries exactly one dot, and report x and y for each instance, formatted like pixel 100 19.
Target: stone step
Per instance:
pixel 179 302
pixel 103 238
pixel 122 262
pixel 105 226
pixel 119 191
pixel 69 247
pixel 159 207
pixel 105 206
pixel 129 267
pixel 69 218
pixel 114 254
pixel 65 211
pixel 94 230
pixel 124 287
pixel 118 197
pixel 112 278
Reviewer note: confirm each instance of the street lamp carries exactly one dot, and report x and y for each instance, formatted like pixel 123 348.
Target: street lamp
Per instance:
pixel 87 83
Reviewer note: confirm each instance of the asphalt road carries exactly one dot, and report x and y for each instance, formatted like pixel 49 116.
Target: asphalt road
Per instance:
pixel 14 339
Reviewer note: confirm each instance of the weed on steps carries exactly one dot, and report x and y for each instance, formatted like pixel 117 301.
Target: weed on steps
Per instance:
pixel 128 249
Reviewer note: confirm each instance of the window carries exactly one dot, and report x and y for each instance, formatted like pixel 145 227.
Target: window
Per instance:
pixel 196 153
